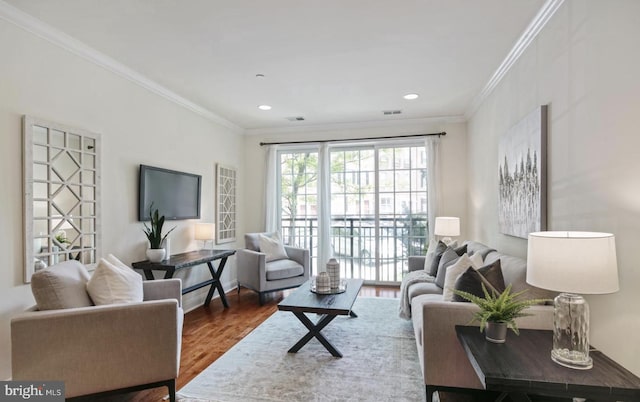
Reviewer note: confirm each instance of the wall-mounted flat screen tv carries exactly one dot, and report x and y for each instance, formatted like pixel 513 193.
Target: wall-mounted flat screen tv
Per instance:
pixel 175 194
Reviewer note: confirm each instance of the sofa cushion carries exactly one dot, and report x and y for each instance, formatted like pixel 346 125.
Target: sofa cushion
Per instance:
pixel 449 257
pixel 424 288
pixel 282 269
pixel 113 282
pixel 61 286
pixel 417 316
pixel 471 281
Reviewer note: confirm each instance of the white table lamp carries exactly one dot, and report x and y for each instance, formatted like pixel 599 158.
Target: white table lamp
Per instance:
pixel 447 226
pixel 205 232
pixel 572 263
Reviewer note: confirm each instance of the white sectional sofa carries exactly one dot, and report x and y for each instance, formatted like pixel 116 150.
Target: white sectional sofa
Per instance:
pixel 444 364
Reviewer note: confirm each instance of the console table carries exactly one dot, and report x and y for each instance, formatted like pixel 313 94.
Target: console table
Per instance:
pixel 187 260
pixel 523 366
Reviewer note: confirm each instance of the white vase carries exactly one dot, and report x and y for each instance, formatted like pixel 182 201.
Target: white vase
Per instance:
pixel 333 269
pixel 155 254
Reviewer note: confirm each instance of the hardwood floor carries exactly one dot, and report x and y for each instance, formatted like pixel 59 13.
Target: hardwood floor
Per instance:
pixel 209 332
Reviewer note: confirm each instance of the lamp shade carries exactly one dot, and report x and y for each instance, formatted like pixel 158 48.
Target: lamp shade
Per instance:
pixel 205 231
pixel 447 226
pixel 573 262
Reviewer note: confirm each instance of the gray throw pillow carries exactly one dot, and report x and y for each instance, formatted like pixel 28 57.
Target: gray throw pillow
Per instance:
pixel 61 286
pixel 448 258
pixel 471 281
pixel 440 249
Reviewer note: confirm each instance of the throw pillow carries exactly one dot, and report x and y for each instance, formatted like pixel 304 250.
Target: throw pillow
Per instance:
pixel 471 281
pixel 453 272
pixel 449 258
pixel 60 286
pixel 272 246
pixel 113 282
pixel 440 249
pixel 431 253
pixel 476 259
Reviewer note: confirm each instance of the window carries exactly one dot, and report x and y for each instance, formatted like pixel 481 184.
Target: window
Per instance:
pixel 378 207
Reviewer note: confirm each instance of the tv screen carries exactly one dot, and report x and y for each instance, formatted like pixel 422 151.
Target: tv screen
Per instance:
pixel 176 195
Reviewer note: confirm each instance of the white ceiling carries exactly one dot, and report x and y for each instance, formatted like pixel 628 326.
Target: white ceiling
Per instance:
pixel 331 61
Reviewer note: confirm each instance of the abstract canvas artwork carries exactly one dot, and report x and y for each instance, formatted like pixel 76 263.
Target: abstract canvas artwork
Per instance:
pixel 226 204
pixel 522 176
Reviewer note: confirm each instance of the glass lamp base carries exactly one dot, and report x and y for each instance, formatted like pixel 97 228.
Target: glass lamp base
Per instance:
pixel 571 332
pixel 571 359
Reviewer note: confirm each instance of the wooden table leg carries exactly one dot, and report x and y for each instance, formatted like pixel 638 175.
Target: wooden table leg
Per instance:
pixel 314 331
pixel 217 284
pixel 148 274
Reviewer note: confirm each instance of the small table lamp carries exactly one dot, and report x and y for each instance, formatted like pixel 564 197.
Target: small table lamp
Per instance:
pixel 447 226
pixel 572 262
pixel 205 232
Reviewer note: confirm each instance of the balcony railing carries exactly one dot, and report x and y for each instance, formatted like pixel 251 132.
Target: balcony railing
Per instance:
pixel 375 257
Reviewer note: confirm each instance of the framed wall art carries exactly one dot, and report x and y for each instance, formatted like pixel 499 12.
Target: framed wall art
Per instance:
pixel 225 204
pixel 522 170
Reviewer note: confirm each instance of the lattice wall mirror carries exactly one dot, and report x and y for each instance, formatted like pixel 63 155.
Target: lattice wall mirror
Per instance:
pixel 61 194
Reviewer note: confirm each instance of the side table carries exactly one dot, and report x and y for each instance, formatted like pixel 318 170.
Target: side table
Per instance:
pixel 187 260
pixel 523 366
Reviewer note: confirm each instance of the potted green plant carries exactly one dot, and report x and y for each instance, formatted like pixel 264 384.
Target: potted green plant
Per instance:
pixel 499 312
pixel 155 252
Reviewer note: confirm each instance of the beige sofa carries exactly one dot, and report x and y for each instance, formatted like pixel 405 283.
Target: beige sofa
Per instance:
pixel 102 349
pixel 443 361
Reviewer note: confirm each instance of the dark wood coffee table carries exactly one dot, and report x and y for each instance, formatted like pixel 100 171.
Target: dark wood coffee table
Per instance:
pixel 523 366
pixel 303 300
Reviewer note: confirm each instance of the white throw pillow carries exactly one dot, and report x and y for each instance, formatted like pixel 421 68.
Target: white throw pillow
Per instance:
pixel 455 270
pixel 477 261
pixel 114 282
pixel 272 246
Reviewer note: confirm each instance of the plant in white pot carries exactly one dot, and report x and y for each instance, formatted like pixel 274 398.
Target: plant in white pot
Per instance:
pixel 155 252
pixel 499 312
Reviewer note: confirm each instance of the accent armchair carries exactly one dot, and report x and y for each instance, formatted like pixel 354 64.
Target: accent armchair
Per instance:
pixel 101 350
pixel 255 273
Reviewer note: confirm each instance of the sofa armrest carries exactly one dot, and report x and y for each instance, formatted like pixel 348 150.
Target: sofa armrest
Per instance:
pixel 98 348
pixel 416 262
pixel 159 289
pixel 444 360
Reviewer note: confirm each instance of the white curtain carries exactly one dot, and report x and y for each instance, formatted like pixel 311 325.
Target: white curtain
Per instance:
pixel 432 145
pixel 324 207
pixel 271 202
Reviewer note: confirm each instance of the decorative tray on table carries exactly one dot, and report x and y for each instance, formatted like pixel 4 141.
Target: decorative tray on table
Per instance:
pixel 340 289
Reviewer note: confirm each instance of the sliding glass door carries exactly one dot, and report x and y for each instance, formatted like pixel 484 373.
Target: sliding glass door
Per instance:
pixel 378 207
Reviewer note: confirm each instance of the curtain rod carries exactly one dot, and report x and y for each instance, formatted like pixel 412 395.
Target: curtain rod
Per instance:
pixel 353 139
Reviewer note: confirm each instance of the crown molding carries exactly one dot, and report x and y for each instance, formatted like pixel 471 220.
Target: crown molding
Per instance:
pixel 35 26
pixel 353 125
pixel 530 33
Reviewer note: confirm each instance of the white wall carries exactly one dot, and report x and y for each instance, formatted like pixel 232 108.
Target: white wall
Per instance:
pixel 453 162
pixel 585 64
pixel 43 80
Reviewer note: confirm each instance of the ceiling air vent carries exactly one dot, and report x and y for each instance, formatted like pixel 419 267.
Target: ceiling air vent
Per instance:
pixel 295 118
pixel 390 112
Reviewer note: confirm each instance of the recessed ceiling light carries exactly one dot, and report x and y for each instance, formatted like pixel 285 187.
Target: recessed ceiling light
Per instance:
pixel 411 96
pixel 264 107
pixel 260 75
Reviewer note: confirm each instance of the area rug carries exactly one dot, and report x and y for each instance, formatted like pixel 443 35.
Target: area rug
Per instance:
pixel 380 361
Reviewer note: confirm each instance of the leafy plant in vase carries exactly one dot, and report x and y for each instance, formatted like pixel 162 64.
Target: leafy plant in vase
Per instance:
pixel 498 312
pixel 155 252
